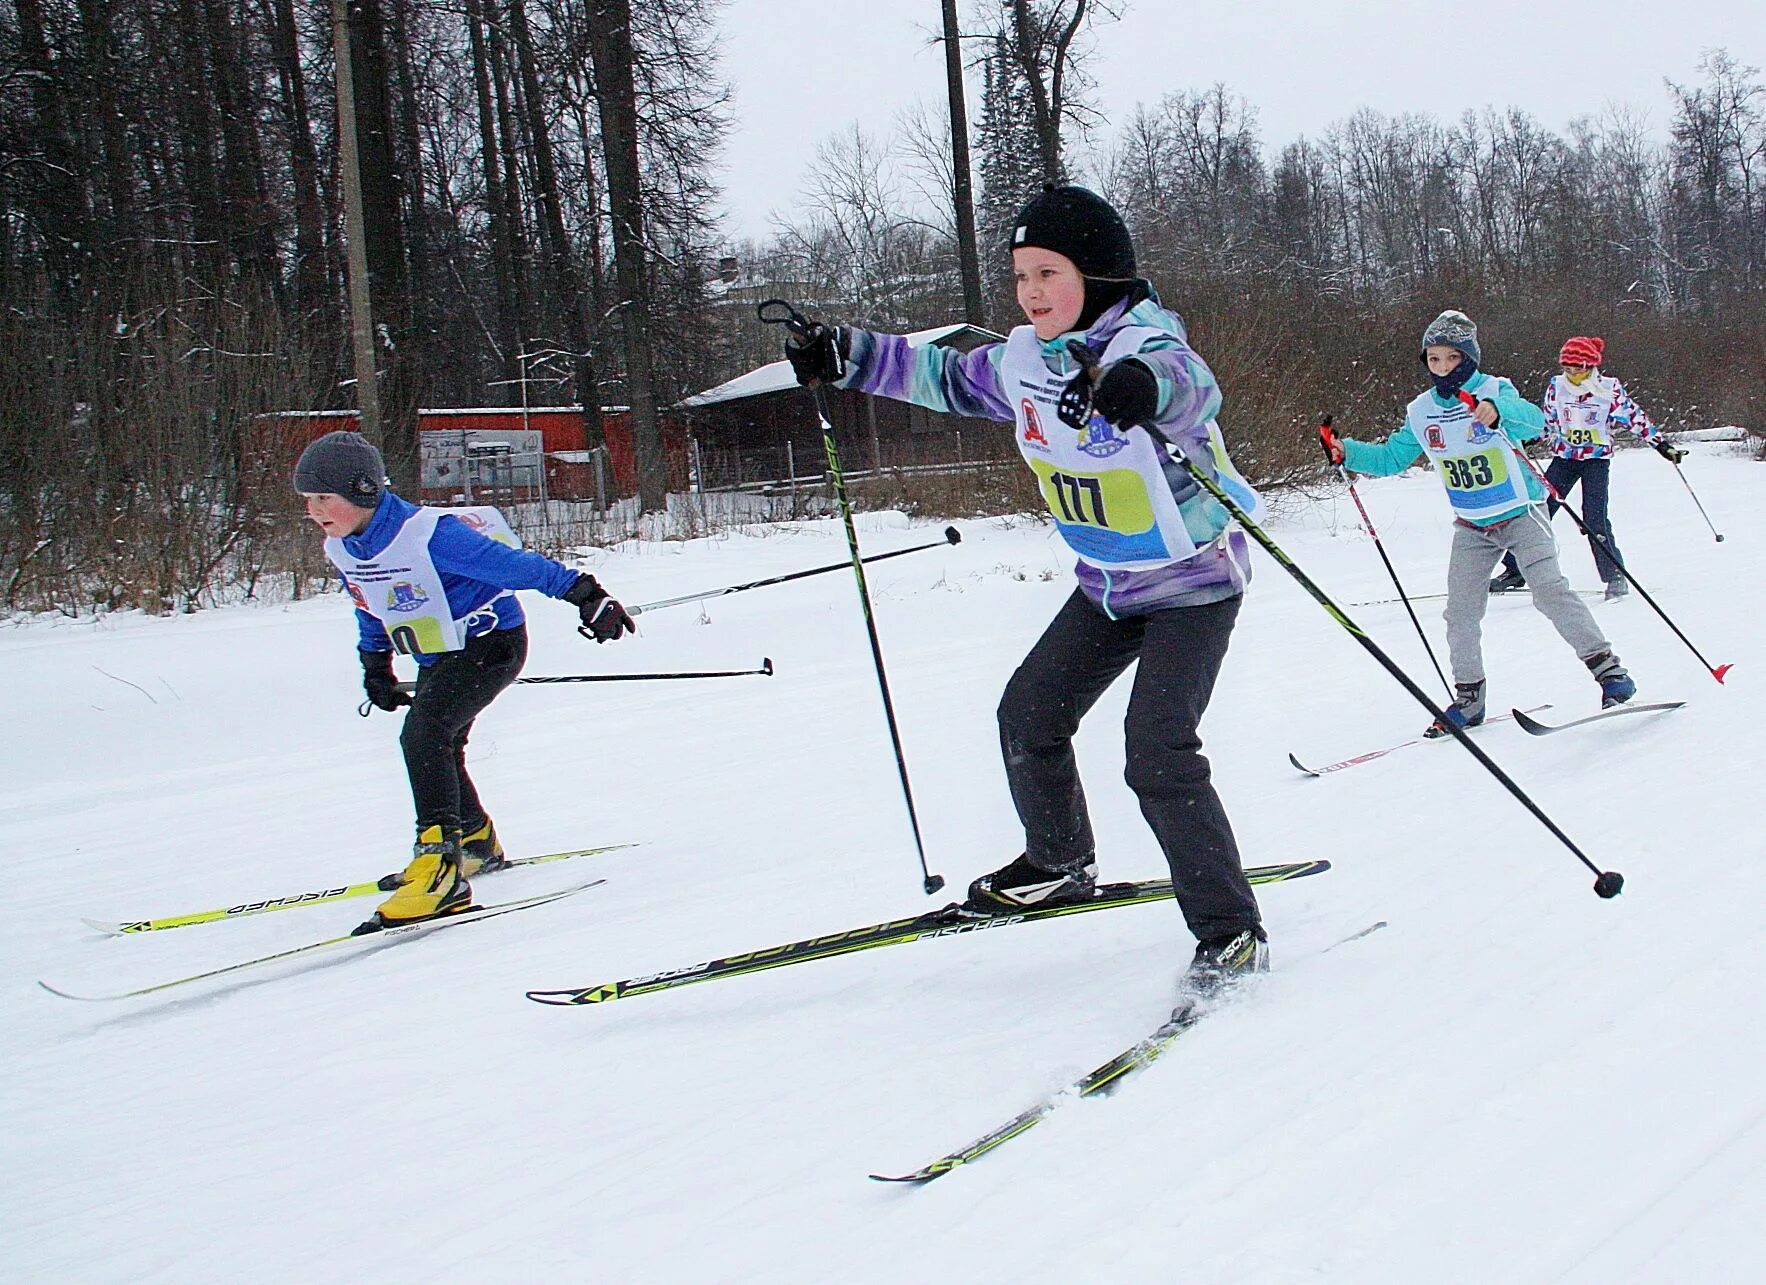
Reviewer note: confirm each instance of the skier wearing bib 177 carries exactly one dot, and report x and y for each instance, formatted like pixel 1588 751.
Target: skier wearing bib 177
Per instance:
pixel 1495 500
pixel 1582 408
pixel 1160 574
pixel 435 584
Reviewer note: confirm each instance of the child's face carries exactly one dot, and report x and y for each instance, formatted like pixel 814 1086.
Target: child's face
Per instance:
pixel 1575 373
pixel 334 515
pixel 1442 359
pixel 1050 290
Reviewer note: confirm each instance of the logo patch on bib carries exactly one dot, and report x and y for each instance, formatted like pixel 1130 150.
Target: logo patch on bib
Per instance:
pixel 405 596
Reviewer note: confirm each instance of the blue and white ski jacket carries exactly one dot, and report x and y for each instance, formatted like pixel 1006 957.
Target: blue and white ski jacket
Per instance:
pixel 476 571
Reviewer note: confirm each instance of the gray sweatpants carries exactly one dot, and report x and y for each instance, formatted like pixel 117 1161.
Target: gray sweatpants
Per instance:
pixel 1476 550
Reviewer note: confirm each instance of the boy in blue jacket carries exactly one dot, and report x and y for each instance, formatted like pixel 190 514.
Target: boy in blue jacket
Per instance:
pixel 1496 509
pixel 437 585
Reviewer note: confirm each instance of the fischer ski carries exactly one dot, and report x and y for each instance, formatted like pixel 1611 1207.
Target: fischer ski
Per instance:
pixel 1371 755
pixel 1099 1082
pixel 320 897
pixel 1534 727
pixel 951 921
pixel 476 915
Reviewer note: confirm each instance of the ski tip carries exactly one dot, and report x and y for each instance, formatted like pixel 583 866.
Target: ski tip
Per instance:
pixel 1301 766
pixel 1527 723
pixel 109 930
pixel 66 994
pixel 918 1179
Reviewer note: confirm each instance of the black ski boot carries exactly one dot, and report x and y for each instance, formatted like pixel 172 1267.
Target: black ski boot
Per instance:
pixel 1020 884
pixel 1508 582
pixel 1222 961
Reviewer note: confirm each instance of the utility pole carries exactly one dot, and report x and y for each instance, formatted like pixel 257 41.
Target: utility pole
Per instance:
pixel 962 192
pixel 355 230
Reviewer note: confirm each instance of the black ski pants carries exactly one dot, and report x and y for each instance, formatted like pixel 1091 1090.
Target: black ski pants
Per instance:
pixel 1079 655
pixel 450 694
pixel 1595 476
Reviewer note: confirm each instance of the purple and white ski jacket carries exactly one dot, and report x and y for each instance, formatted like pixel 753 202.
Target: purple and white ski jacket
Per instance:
pixel 971 384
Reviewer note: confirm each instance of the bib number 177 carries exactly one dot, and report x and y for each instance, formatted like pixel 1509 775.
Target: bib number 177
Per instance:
pixel 1068 496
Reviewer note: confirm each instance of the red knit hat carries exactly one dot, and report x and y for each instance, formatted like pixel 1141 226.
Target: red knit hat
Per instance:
pixel 1583 350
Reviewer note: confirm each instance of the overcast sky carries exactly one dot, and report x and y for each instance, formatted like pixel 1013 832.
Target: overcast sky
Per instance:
pixel 801 70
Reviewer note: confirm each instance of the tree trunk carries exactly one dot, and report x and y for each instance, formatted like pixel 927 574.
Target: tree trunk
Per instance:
pixel 566 282
pixel 611 53
pixel 962 186
pixel 509 325
pixel 310 276
pixel 384 242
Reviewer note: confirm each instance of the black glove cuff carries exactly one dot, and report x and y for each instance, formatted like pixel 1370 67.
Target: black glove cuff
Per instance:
pixel 376 663
pixel 587 589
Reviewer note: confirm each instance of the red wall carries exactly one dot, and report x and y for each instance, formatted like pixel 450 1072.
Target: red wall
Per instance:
pixel 562 430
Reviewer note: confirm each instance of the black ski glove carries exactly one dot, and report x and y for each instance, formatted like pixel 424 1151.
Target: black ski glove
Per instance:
pixel 1670 452
pixel 378 680
pixel 818 357
pixel 603 618
pixel 1127 394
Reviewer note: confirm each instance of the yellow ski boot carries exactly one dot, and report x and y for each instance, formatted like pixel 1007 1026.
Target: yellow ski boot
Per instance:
pixel 432 886
pixel 481 852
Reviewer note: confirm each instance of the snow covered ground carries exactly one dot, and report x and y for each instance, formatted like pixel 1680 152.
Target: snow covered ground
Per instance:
pixel 1514 1082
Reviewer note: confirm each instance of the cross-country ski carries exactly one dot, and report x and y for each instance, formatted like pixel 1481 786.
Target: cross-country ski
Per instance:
pixel 1190 1010
pixel 318 897
pixel 1534 727
pixel 1370 755
pixel 402 933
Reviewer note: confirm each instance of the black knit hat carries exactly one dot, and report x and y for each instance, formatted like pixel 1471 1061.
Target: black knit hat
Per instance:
pixel 1081 225
pixel 342 463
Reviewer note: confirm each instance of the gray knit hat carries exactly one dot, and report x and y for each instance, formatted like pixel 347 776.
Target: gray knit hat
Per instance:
pixel 342 463
pixel 1456 330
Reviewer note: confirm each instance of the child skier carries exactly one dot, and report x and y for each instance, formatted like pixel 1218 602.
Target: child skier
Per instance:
pixel 435 584
pixel 1582 408
pixel 1495 500
pixel 1160 574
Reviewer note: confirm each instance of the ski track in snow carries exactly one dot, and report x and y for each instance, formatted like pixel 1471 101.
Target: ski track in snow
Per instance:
pixel 1514 1082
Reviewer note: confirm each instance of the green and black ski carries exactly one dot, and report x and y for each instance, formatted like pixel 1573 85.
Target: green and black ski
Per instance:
pixel 1100 1081
pixel 948 922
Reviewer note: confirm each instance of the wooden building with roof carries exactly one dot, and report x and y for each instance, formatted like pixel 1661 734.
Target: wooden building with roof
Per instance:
pixel 761 427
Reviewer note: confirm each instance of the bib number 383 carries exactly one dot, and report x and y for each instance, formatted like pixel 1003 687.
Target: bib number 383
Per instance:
pixel 1473 472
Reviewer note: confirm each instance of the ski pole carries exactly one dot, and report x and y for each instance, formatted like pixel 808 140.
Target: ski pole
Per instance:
pixel 1718 672
pixel 951 536
pixel 1607 883
pixel 765 670
pixel 778 312
pixel 1325 438
pixel 1695 500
